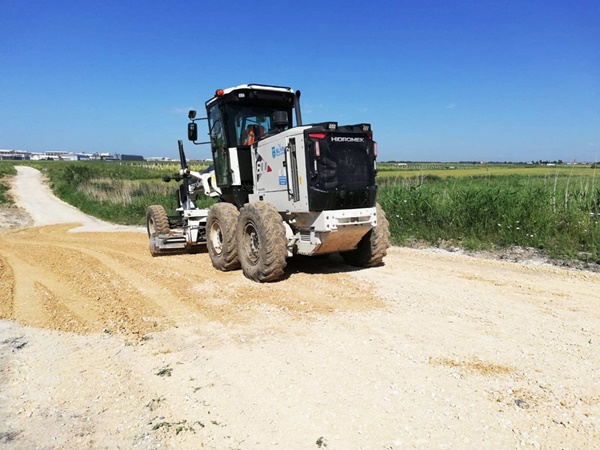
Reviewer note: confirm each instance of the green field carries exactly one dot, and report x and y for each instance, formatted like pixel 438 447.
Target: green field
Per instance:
pixel 555 209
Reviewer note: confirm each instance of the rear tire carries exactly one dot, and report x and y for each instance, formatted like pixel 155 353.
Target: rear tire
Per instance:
pixel 262 244
pixel 221 240
pixel 157 223
pixel 372 248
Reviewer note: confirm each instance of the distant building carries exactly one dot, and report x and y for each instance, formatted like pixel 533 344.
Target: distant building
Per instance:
pixel 56 154
pixel 159 158
pixel 75 157
pixel 130 157
pixel 49 156
pixel 13 154
pixel 10 154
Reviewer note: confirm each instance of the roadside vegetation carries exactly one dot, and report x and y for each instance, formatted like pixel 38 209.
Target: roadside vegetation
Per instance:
pixel 557 214
pixel 555 210
pixel 6 169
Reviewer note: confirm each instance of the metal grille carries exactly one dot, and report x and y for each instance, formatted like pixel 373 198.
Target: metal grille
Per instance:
pixel 352 200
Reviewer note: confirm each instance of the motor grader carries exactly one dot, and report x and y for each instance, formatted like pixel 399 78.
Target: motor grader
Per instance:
pixel 283 188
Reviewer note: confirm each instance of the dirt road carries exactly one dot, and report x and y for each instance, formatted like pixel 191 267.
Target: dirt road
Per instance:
pixel 103 346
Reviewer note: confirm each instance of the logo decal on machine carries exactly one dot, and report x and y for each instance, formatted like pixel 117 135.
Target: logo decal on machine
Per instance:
pixel 277 151
pixel 347 139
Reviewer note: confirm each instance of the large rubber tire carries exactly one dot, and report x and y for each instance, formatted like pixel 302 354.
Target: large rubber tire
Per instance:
pixel 221 240
pixel 372 248
pixel 157 222
pixel 262 244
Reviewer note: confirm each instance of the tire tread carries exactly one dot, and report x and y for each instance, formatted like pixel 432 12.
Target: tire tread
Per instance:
pixel 273 243
pixel 227 215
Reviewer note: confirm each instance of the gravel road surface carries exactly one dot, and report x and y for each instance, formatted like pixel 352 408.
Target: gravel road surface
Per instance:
pixel 103 346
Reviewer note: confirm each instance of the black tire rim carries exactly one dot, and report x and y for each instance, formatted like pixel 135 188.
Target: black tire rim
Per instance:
pixel 251 243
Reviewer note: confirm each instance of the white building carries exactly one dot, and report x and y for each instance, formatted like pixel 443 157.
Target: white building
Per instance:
pixel 13 154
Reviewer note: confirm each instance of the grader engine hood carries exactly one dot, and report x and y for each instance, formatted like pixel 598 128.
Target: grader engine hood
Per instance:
pixel 341 167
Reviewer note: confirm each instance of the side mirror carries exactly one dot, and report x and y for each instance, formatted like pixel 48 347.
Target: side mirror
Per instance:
pixel 192 114
pixel 192 131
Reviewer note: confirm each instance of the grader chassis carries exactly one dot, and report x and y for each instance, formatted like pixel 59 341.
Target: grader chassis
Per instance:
pixel 284 188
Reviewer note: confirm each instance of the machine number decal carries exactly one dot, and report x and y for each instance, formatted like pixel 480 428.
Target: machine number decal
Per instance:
pixel 261 166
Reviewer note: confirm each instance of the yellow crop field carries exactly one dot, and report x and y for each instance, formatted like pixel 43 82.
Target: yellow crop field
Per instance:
pixel 478 170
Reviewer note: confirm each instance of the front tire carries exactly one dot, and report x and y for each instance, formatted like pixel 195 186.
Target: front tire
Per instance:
pixel 221 240
pixel 372 248
pixel 262 244
pixel 157 223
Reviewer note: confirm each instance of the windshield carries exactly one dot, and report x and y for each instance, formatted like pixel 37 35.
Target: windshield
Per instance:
pixel 247 123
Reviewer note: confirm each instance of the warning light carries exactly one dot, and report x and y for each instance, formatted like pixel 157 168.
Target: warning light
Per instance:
pixel 219 92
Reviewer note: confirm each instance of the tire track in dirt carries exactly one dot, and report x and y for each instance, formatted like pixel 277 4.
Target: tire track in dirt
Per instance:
pixel 91 282
pixel 33 300
pixel 66 289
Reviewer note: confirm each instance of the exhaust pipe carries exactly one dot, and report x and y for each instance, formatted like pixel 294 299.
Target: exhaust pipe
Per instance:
pixel 297 108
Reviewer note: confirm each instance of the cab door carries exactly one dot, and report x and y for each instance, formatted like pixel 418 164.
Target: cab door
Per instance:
pixel 218 145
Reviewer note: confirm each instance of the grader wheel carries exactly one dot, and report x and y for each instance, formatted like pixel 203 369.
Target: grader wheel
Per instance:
pixel 157 223
pixel 262 244
pixel 221 238
pixel 372 248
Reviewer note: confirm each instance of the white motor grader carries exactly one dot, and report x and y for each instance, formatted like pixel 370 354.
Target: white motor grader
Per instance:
pixel 284 188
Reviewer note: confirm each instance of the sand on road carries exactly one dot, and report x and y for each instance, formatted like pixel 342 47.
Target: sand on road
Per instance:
pixel 103 346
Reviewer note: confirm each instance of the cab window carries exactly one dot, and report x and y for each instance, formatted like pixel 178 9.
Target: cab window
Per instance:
pixel 249 119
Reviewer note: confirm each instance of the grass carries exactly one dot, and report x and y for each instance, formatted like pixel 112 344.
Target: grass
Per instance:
pixel 559 215
pixel 6 169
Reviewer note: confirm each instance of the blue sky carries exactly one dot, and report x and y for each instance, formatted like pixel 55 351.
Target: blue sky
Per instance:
pixel 439 80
